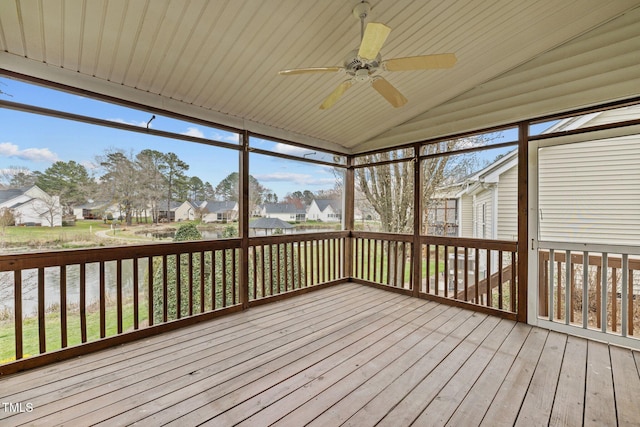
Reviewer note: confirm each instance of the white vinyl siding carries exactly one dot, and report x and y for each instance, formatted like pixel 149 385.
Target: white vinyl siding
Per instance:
pixel 508 205
pixel 466 216
pixel 589 192
pixel 483 210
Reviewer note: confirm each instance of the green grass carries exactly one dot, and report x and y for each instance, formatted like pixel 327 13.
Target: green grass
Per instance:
pixel 30 339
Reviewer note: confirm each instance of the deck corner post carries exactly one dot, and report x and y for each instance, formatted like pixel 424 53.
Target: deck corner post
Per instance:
pixel 349 198
pixel 244 221
pixel 416 256
pixel 523 220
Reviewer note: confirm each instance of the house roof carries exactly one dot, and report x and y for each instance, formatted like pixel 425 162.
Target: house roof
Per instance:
pixel 269 224
pixel 283 208
pixel 323 204
pixel 219 61
pixel 6 195
pixel 216 206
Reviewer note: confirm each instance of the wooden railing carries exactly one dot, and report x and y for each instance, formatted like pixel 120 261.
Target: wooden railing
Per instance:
pixel 279 264
pixel 66 303
pixel 162 283
pixel 383 259
pixel 601 286
pixel 475 271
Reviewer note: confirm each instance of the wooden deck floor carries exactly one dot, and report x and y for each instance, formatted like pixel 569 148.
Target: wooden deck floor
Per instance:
pixel 345 355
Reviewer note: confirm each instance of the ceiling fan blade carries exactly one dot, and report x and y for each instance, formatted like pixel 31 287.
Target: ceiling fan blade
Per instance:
pixel 309 70
pixel 374 37
pixel 424 62
pixel 390 93
pixel 336 94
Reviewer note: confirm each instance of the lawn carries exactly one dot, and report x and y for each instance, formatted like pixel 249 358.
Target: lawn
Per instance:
pixel 52 329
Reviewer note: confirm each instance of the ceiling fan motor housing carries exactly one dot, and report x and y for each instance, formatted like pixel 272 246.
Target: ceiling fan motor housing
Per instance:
pixel 359 68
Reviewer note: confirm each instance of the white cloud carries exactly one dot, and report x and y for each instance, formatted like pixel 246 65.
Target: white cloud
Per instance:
pixel 295 178
pixel 291 149
pixel 226 137
pixel 7 149
pixel 191 131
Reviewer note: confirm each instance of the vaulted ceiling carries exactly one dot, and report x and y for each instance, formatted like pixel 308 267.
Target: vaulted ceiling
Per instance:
pixel 219 60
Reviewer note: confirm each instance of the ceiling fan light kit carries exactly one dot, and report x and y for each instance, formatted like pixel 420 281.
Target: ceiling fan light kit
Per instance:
pixel 362 64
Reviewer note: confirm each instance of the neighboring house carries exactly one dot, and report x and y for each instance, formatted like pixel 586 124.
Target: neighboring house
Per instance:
pixel 95 210
pixel 170 215
pixel 487 204
pixel 283 211
pixel 219 211
pixel 188 211
pixel 32 206
pixel 326 210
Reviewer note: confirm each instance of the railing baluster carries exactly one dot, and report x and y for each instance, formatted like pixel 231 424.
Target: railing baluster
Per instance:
pixel 136 296
pixel 214 282
pixel 103 301
pixel 375 262
pixel 466 273
pixel 455 272
pixel 402 263
pixel 446 271
pixel 119 295
pixel 234 277
pixel 500 255
pixel 224 278
pixel 476 274
pixel 202 279
pixel 190 281
pixel 262 270
pixel 489 285
pixel 614 299
pixel 603 290
pixel 630 314
pixel 17 307
pixel 512 290
pixel 567 288
pixel 585 289
pixel 299 263
pixel 165 290
pixel 424 248
pixel 63 306
pixel 559 290
pixel 42 340
pixel 551 275
pixel 150 293
pixel 624 320
pixel 436 267
pixel 178 277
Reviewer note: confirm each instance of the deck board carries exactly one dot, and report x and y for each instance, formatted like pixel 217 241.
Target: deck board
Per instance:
pixel 344 355
pixel 568 408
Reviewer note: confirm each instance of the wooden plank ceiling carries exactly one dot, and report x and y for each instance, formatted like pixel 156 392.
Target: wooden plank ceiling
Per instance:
pixel 219 60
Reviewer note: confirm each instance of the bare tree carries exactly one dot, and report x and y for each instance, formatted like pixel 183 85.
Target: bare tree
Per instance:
pixel 48 208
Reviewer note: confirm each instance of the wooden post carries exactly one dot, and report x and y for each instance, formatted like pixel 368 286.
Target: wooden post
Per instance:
pixel 417 222
pixel 244 222
pixel 349 187
pixel 523 220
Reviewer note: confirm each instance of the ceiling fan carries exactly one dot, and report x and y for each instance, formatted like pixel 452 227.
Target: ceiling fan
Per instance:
pixel 362 64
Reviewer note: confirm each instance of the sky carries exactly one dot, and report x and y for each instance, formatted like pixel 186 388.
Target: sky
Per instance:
pixel 35 142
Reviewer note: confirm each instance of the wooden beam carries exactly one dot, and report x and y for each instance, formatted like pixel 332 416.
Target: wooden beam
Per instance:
pixel 244 221
pixel 523 220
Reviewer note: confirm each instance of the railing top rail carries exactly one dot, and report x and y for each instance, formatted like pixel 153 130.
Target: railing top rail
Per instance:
pixel 382 236
pixel 112 253
pixel 298 237
pixel 589 247
pixel 498 245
